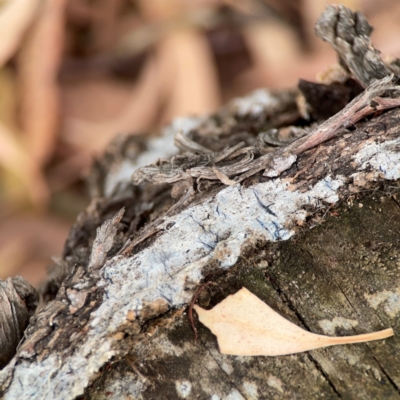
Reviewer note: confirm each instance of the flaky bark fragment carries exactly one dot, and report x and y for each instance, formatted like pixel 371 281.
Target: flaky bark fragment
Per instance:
pixel 104 241
pixel 348 33
pixel 18 301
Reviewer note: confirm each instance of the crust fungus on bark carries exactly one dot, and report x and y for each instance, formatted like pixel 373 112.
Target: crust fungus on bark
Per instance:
pixel 306 218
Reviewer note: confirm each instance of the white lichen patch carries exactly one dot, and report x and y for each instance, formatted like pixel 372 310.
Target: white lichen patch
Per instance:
pixel 329 326
pixel 255 103
pixel 164 346
pixel 77 298
pixel 234 395
pixel 377 375
pixel 221 361
pixel 183 388
pixel 280 164
pixel 235 216
pixel 383 159
pixel 275 383
pixel 351 357
pixel 81 366
pixel 122 386
pixel 391 300
pixel 250 390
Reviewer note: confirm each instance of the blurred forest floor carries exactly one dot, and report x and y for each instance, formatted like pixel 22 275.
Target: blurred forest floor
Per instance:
pixel 74 73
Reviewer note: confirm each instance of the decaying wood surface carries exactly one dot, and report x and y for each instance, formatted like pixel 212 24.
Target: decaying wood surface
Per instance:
pixel 18 303
pixel 296 200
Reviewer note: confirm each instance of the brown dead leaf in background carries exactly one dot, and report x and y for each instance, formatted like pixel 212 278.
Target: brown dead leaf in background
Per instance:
pixel 38 67
pixel 15 159
pixel 136 116
pixel 97 99
pixel 8 99
pixel 275 48
pixel 13 254
pixel 246 326
pixel 15 18
pixel 104 29
pixel 384 37
pixel 27 242
pixel 189 71
pixel 69 171
pixel 23 182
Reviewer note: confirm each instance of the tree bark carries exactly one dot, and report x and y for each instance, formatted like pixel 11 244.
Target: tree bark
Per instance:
pixel 312 228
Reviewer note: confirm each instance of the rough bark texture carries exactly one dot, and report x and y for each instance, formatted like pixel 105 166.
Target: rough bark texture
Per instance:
pixel 341 278
pixel 18 302
pixel 311 226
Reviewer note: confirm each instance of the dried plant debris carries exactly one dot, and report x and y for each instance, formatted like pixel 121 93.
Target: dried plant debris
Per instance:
pixel 246 326
pixel 18 303
pixel 239 162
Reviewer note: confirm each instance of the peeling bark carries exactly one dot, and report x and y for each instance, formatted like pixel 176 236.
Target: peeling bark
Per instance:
pixel 305 218
pixel 18 303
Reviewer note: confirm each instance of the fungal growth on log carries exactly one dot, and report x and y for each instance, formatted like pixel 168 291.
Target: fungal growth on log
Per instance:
pixel 292 194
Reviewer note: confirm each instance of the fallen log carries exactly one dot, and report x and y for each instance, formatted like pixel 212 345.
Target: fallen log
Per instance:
pixel 263 194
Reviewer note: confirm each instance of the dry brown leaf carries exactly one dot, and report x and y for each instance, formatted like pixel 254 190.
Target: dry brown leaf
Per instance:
pixel 137 115
pixel 15 17
pixel 13 254
pixel 188 69
pixel 68 171
pixel 104 26
pixel 27 242
pixel 38 66
pixel 273 45
pixel 9 99
pixel 21 178
pixel 15 159
pixel 246 326
pixel 153 26
pixel 159 9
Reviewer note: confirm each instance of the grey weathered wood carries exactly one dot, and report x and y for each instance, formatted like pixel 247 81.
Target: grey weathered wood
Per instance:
pixel 314 233
pixel 341 278
pixel 107 310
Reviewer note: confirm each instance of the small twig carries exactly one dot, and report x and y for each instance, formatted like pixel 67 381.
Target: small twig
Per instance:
pixel 223 178
pixel 363 105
